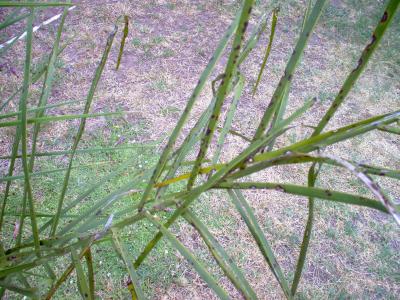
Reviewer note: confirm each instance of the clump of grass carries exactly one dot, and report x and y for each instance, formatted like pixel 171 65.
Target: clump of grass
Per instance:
pixel 152 200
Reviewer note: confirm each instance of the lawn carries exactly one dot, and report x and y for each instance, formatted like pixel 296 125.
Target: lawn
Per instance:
pixel 354 252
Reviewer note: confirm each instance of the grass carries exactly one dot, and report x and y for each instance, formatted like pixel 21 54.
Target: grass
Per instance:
pixel 159 85
pixel 157 46
pixel 110 272
pixel 364 248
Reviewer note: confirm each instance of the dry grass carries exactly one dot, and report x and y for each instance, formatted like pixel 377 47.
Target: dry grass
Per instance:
pixel 354 252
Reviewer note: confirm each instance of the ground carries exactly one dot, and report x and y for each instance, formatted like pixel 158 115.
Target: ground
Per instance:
pixel 354 252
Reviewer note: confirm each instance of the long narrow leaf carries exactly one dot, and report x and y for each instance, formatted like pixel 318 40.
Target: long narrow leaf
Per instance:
pixel 229 72
pixel 268 50
pixel 47 85
pixel 36 75
pixel 83 285
pixel 124 36
pixel 347 86
pixel 222 258
pixel 377 35
pixel 31 292
pixel 312 175
pixel 48 119
pixel 47 172
pixel 23 121
pixel 89 264
pixel 81 129
pixel 190 258
pixel 33 4
pixel 229 118
pixel 12 18
pixel 121 248
pixel 35 109
pixel 17 138
pixel 299 158
pixel 248 216
pixel 182 120
pixel 238 161
pixel 324 194
pixel 82 151
pixel 290 67
pixel 390 129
